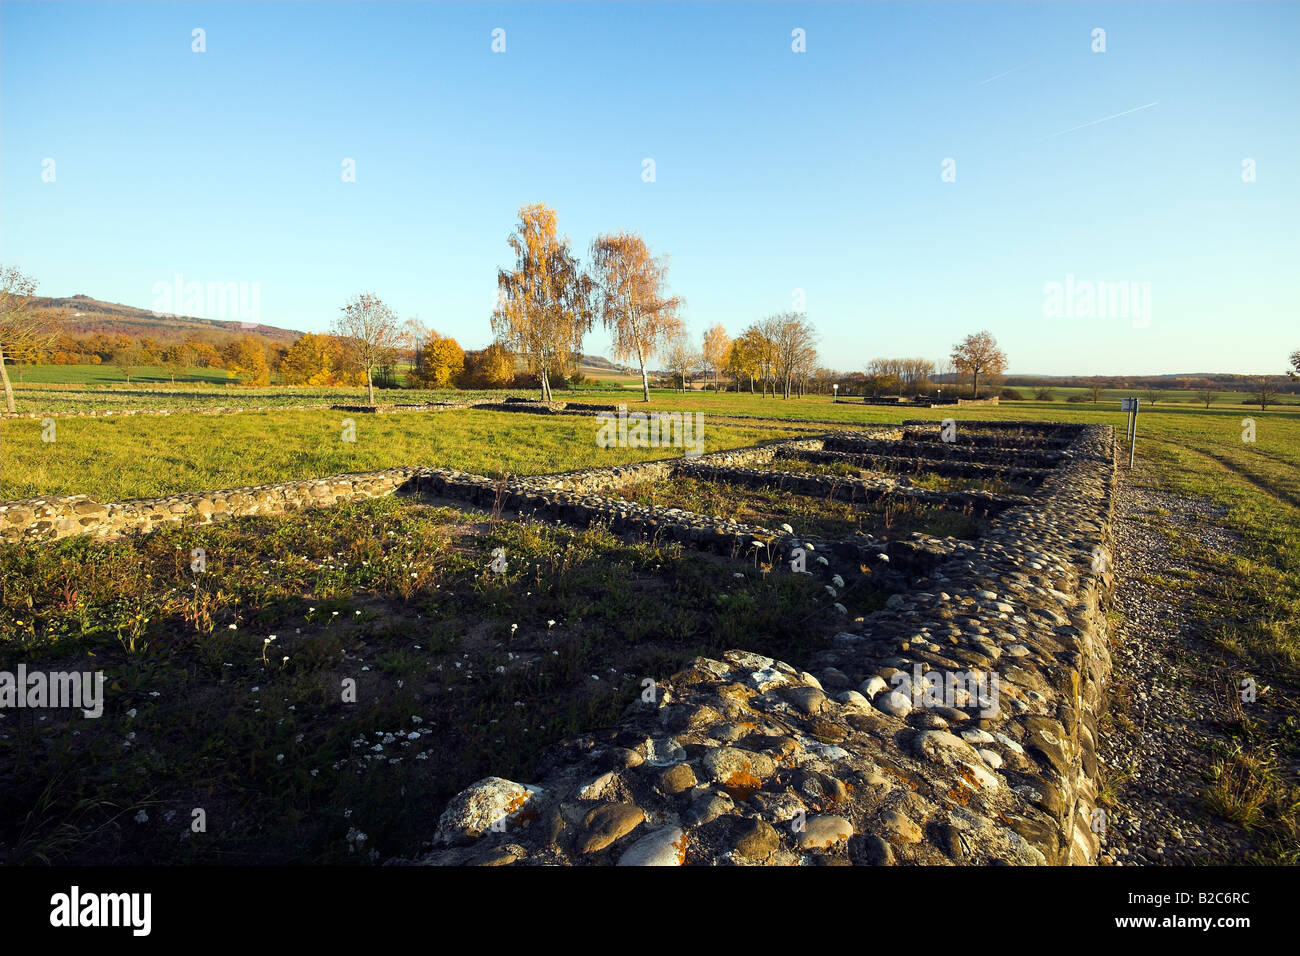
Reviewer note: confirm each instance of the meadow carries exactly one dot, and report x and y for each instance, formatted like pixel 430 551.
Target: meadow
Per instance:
pixel 118 396
pixel 55 388
pixel 1183 448
pixel 1164 396
pixel 112 375
pixel 396 592
pixel 113 459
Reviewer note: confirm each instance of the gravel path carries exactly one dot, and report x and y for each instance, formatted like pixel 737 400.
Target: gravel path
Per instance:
pixel 1169 694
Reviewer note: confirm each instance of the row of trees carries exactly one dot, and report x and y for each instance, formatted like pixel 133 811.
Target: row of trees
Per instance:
pixel 975 359
pixel 548 301
pixel 779 352
pixel 900 376
pixel 546 304
pixel 368 341
pixel 360 351
pixel 102 348
pixel 248 358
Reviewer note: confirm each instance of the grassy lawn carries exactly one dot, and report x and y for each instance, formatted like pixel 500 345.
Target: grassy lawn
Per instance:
pixel 222 393
pixel 155 375
pixel 1248 603
pixel 1251 604
pixel 459 672
pixel 1180 396
pixel 110 375
pixel 114 459
pixel 55 391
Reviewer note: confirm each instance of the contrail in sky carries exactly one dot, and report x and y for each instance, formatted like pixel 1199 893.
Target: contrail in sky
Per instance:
pixel 1000 75
pixel 1104 119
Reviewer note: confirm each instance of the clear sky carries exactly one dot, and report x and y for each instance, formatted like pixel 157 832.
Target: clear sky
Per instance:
pixel 774 170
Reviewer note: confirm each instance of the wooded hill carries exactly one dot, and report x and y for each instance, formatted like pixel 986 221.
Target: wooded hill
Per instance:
pixel 82 317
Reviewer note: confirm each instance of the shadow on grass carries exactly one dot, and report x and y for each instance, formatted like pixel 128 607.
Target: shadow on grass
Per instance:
pixel 412 669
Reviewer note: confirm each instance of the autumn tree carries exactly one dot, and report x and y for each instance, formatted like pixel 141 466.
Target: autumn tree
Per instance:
pixel 1265 391
pixel 631 299
pixel 275 353
pixel 544 302
pixel 880 377
pixel 440 362
pixel 246 360
pixel 447 362
pixel 205 354
pixel 1294 371
pixel 25 330
pixel 823 380
pixel 761 348
pixel 792 338
pixel 150 351
pixel 682 359
pixel 906 376
pixel 490 368
pixel 371 332
pixel 766 340
pixel 978 355
pixel 916 374
pixel 125 359
pixel 176 358
pixel 717 346
pixel 313 359
pixel 805 367
pixel 745 357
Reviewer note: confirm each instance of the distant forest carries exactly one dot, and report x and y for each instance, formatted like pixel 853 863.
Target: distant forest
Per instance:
pixel 93 332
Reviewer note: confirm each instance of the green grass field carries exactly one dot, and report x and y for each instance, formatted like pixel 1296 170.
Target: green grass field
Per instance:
pixel 1248 603
pixel 110 375
pixel 139 456
pixel 1186 449
pixel 113 459
pixel 54 397
pixel 152 376
pixel 57 395
pixel 1168 396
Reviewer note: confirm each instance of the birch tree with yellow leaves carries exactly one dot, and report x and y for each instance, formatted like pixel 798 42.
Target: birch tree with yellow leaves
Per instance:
pixel 544 302
pixel 632 300
pixel 717 347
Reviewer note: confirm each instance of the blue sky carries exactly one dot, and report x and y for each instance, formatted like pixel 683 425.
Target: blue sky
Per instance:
pixel 774 170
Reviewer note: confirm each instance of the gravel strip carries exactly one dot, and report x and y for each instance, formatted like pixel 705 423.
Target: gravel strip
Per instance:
pixel 1170 684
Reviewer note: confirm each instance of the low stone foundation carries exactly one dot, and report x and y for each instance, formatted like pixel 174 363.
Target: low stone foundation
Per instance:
pixel 746 760
pixel 983 439
pixel 924 451
pixel 833 759
pixel 840 488
pixel 894 464
pixel 49 518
